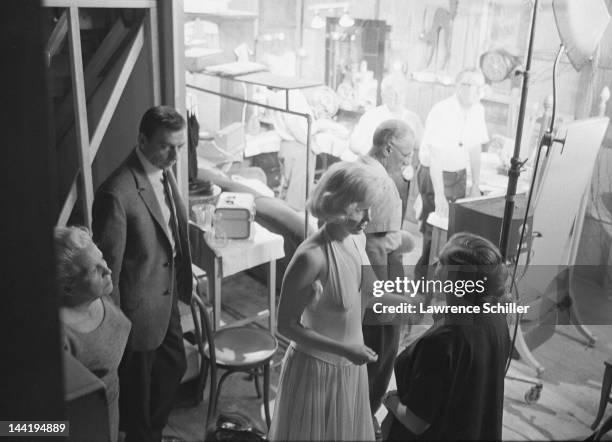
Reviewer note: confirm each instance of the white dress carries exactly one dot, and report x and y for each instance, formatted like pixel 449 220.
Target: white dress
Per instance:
pixel 324 396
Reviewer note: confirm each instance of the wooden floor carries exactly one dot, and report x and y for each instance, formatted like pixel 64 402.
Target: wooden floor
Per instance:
pixel 565 410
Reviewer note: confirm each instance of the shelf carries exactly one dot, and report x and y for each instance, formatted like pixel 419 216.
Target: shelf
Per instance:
pixel 218 16
pixel 277 81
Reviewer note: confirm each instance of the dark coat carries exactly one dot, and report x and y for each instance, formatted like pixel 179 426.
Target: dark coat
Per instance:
pixel 129 229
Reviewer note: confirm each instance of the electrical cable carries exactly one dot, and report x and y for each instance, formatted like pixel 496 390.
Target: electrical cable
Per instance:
pixel 554 87
pixel 514 333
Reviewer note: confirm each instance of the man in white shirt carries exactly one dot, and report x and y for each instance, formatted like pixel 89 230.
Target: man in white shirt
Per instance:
pixel 455 131
pixel 393 95
pixel 293 131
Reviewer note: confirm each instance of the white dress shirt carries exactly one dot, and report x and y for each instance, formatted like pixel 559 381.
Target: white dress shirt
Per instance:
pixel 386 212
pixel 155 176
pixel 361 138
pixel 290 127
pixel 454 131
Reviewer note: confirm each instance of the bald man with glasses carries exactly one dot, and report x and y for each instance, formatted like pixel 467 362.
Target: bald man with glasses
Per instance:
pixel 391 153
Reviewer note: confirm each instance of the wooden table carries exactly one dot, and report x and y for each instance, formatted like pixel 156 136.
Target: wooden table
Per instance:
pixel 220 261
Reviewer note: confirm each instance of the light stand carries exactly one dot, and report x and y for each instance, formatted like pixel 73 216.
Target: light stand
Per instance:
pixel 580 27
pixel 515 162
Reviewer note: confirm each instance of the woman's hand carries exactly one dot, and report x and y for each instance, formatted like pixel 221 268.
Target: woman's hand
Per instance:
pixel 407 418
pixel 391 400
pixel 360 354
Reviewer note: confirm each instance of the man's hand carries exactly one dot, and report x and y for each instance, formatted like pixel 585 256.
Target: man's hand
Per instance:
pixel 391 400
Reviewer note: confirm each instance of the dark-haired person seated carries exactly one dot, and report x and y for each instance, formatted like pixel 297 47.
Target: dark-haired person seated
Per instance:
pixel 95 329
pixel 451 380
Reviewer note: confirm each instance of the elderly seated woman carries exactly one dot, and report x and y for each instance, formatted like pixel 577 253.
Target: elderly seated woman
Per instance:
pixel 450 382
pixel 95 329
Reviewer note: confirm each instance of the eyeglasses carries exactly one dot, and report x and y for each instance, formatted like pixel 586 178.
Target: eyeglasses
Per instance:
pixel 470 85
pixel 405 157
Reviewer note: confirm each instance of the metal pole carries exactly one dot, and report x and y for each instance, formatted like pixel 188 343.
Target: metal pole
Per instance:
pixel 251 102
pixel 308 129
pixel 287 111
pixel 515 163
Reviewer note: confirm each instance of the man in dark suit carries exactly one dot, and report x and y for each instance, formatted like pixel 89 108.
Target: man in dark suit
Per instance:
pixel 140 225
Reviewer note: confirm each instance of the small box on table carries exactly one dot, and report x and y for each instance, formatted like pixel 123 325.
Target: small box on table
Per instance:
pixel 237 211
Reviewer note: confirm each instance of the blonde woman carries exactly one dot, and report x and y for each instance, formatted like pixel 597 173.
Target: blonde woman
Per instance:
pixel 323 391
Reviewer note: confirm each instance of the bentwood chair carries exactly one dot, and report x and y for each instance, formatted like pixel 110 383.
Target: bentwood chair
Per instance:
pixel 233 349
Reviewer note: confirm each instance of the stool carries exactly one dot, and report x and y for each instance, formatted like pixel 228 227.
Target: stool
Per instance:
pixel 606 386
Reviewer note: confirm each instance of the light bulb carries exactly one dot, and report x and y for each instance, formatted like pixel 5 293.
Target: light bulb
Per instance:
pixel 346 21
pixel 317 22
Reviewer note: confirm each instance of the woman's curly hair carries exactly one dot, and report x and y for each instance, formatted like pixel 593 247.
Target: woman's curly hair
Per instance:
pixel 469 257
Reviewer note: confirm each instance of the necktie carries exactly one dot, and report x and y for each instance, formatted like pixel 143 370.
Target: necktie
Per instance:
pixel 173 216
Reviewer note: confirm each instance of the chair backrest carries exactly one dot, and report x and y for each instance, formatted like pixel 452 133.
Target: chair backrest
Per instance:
pixel 203 327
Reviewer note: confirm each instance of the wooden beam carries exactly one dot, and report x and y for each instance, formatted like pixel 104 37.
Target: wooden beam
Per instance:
pixel 69 203
pixel 56 39
pixel 105 53
pixel 93 76
pixel 152 33
pixel 172 43
pixel 128 61
pixel 80 105
pixel 118 4
pixel 126 70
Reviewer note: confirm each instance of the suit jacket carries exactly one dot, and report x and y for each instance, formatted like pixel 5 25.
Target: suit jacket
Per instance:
pixel 130 230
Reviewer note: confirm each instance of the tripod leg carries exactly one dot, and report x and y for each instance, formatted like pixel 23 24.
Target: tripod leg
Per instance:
pixel 606 386
pixel 525 353
pixel 574 317
pixel 606 426
pixel 576 322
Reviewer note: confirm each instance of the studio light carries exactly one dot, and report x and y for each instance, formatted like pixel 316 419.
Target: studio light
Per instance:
pixel 581 26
